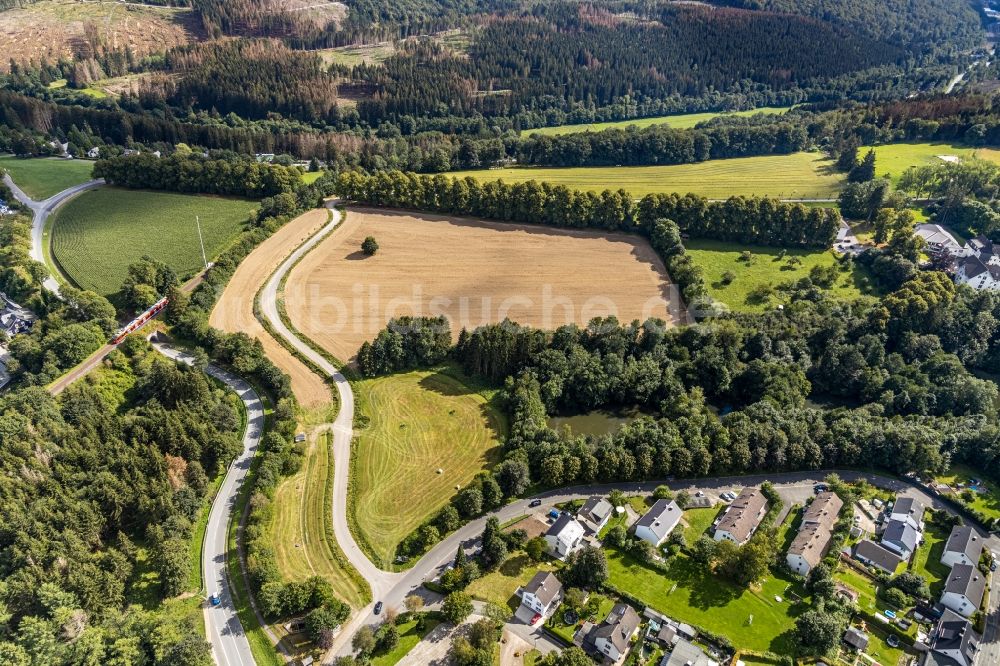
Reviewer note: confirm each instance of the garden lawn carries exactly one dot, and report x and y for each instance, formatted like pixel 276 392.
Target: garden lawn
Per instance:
pixel 499 586
pixel 409 636
pixel 99 233
pixel 893 159
pixel 40 178
pixel 310 177
pixel 680 121
pixel 987 503
pixel 795 176
pixel 598 607
pixel 408 426
pixel 688 592
pixel 927 559
pixel 882 652
pixel 697 522
pixel 766 268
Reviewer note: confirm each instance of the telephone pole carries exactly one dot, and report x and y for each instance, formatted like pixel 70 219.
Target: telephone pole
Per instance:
pixel 201 241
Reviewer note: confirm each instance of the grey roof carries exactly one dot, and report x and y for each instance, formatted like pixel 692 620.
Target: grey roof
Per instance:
pixel 856 638
pixel 596 509
pixel 661 518
pixel 964 539
pixel 966 580
pixel 881 557
pixel 667 634
pixel 619 626
pixel 900 534
pixel 954 633
pixel 544 586
pixel 687 654
pixel 910 506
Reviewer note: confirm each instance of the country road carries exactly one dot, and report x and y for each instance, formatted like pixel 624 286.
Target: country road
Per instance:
pixel 229 642
pixel 392 588
pixel 41 211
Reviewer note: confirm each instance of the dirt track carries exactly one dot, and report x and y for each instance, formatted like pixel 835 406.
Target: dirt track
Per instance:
pixel 234 311
pixel 474 272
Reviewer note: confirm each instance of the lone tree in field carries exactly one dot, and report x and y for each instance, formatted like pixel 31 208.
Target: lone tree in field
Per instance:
pixel 369 246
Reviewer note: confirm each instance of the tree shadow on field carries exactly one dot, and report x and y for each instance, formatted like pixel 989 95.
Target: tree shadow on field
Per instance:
pixel 444 384
pixel 357 255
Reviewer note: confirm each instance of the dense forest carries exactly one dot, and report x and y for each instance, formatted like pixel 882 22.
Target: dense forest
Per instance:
pixel 100 484
pixel 921 24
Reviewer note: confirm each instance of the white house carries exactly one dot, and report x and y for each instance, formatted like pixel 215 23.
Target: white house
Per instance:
pixel 963 593
pixel 595 513
pixel 657 523
pixel 978 264
pixel 742 517
pixel 613 636
pixel 815 533
pixel 963 547
pixel 908 510
pixel 564 536
pixel 953 642
pixel 900 536
pixel 542 593
pixel 94 153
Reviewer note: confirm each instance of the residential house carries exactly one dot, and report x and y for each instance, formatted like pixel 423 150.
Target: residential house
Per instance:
pixel 874 555
pixel 964 589
pixel 815 533
pixel 595 513
pixel 657 523
pixel 910 511
pixel 686 653
pixel 94 153
pixel 977 264
pixel 742 517
pixel 953 642
pixel 612 637
pixel 542 593
pixel 964 546
pixel 564 537
pixel 901 537
pixel 856 639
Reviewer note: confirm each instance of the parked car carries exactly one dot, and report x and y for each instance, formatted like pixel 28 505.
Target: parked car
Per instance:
pixel 820 488
pixel 378 608
pixel 535 618
pixel 214 600
pixel 535 502
pixel 892 641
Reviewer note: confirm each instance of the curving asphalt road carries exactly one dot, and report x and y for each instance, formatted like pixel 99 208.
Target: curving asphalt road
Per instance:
pixel 230 646
pixel 41 211
pixel 393 588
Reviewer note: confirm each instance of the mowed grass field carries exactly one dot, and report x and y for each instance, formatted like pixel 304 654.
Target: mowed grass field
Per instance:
pixel 409 425
pixel 40 178
pixel 99 233
pixel 300 529
pixel 795 176
pixel 893 159
pixel 768 267
pixel 679 121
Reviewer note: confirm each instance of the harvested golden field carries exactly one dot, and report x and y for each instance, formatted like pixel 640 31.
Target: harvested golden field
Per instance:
pixel 471 271
pixel 66 28
pixel 234 311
